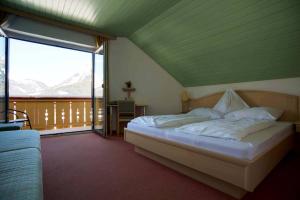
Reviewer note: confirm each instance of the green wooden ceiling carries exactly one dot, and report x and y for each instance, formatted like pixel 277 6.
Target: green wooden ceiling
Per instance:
pixel 211 42
pixel 115 17
pixel 198 42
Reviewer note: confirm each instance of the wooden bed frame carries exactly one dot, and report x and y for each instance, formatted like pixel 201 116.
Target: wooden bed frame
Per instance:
pixel 230 175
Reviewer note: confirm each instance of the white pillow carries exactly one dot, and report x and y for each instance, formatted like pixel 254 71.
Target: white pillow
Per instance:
pixel 264 113
pixel 230 102
pixel 206 112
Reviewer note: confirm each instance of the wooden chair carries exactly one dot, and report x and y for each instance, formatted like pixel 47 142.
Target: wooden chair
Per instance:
pixel 126 112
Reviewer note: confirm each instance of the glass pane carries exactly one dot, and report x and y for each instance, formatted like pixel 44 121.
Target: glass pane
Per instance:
pixel 52 85
pixel 98 92
pixel 38 70
pixel 2 79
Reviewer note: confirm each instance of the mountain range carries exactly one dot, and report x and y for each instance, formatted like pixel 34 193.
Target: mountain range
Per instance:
pixel 77 85
pixel 2 76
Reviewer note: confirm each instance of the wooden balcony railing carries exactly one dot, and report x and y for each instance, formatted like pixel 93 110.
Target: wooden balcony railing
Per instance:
pixel 57 113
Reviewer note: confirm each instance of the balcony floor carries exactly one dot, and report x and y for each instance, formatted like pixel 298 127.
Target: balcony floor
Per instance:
pixel 65 130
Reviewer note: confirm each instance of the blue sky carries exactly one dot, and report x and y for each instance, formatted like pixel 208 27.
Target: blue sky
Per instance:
pixel 50 65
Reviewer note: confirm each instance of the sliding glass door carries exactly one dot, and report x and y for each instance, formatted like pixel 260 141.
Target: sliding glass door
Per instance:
pixel 99 92
pixel 64 94
pixel 3 51
pixel 52 85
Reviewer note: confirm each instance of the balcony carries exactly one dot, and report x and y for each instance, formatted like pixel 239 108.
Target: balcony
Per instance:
pixel 53 115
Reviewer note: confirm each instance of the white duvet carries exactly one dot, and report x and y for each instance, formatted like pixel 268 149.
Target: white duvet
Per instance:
pixel 196 115
pixel 222 128
pixel 169 120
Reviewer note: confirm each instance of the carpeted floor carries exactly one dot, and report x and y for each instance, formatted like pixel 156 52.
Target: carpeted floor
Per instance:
pixel 89 167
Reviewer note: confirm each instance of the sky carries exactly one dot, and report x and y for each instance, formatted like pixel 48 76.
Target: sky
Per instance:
pixel 2 51
pixel 48 64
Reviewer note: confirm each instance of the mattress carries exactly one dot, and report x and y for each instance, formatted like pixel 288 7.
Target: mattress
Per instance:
pixel 248 148
pixel 21 139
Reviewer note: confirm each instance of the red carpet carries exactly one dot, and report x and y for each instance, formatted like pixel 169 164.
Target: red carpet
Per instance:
pixel 89 167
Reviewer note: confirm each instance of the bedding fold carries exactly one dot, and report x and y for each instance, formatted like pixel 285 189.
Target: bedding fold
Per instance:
pixel 161 121
pixel 226 129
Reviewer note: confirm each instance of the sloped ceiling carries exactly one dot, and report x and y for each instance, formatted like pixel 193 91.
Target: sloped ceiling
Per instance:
pixel 210 42
pixel 199 42
pixel 115 17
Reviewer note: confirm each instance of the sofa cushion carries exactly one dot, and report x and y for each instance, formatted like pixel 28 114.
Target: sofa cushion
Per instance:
pixel 21 139
pixel 21 175
pixel 11 126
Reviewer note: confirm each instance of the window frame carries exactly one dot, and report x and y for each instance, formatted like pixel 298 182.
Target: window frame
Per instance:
pixel 105 77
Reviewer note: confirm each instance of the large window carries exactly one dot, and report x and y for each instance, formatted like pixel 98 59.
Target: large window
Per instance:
pixel 55 86
pixel 38 70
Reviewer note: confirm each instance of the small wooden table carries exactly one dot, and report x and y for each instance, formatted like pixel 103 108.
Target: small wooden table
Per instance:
pixel 112 114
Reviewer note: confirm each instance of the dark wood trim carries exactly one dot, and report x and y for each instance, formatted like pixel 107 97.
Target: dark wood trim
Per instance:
pixel 106 85
pixel 93 92
pixel 6 79
pixel 56 23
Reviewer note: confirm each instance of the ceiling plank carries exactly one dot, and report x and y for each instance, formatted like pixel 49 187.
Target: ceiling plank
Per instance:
pixel 56 23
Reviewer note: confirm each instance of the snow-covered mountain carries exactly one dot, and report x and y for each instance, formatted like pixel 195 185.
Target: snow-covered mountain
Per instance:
pixel 2 66
pixel 77 85
pixel 25 87
pixel 2 76
pixel 2 69
pixel 76 78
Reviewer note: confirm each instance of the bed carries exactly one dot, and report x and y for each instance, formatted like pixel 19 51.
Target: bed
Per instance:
pixel 234 169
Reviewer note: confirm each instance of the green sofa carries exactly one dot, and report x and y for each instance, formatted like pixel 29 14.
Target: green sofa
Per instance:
pixel 11 126
pixel 20 165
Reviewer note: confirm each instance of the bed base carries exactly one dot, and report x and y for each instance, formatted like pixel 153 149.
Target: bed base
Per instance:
pixel 230 175
pixel 198 176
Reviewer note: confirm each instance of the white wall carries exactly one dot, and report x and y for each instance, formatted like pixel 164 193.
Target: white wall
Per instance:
pixel 154 86
pixel 287 86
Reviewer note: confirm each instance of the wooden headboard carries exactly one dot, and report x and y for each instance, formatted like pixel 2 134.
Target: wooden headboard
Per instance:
pixel 289 103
